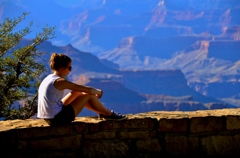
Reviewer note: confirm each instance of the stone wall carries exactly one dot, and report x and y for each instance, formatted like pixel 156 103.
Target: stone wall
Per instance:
pixel 153 134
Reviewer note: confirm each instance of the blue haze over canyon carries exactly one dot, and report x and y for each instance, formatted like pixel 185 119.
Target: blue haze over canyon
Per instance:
pixel 145 55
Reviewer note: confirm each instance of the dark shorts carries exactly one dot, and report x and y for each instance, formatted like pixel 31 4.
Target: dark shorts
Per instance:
pixel 64 117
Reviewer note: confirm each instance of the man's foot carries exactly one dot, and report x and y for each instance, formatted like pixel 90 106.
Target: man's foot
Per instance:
pixel 114 116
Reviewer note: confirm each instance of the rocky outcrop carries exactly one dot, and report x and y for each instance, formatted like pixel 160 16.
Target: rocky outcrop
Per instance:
pixel 226 50
pixel 153 81
pixel 121 99
pixel 153 134
pixel 133 52
pixel 231 33
pixel 217 89
pixel 169 82
pixel 82 61
pixel 115 92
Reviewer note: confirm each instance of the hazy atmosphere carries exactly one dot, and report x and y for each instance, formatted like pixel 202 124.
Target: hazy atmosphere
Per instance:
pixel 146 55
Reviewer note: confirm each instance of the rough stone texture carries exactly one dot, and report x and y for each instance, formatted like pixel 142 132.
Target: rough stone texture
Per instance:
pixel 181 145
pixel 45 131
pixel 206 124
pixel 221 145
pixel 202 133
pixel 72 143
pixel 173 125
pixel 148 145
pixel 105 149
pixel 101 135
pixel 127 124
pixel 134 134
pixel 233 122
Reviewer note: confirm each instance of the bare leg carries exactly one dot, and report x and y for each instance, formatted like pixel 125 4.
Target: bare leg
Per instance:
pixel 70 97
pixel 84 100
pixel 95 105
pixel 88 106
pixel 79 101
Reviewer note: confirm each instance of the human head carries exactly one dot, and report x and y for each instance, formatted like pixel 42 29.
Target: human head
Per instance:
pixel 59 61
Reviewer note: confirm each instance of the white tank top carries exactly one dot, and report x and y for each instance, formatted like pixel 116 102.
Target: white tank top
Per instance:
pixel 49 98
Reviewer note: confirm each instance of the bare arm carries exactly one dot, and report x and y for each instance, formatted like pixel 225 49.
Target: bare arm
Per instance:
pixel 62 84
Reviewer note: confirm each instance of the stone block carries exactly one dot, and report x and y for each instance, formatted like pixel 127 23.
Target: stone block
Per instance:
pixel 128 124
pixel 71 142
pixel 206 124
pixel 78 126
pixel 233 122
pixel 94 127
pixel 133 134
pixel 105 149
pixel 22 146
pixel 181 145
pixel 148 145
pixel 153 133
pixel 173 125
pixel 221 145
pixel 101 135
pixel 56 155
pixel 45 131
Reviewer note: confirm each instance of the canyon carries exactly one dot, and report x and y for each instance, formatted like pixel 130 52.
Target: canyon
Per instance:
pixel 131 91
pixel 172 97
pixel 199 41
pixel 171 66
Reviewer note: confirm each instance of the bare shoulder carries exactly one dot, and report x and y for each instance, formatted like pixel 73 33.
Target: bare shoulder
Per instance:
pixel 61 80
pixel 60 83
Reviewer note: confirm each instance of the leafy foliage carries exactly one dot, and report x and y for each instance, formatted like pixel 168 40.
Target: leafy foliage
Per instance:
pixel 19 70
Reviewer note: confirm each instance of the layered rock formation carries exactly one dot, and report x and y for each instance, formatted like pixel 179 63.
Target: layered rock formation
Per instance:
pixel 124 100
pixel 123 96
pixel 147 52
pixel 218 89
pixel 210 61
pixel 168 82
pixel 227 50
pixel 153 134
pixel 82 61
pixel 193 36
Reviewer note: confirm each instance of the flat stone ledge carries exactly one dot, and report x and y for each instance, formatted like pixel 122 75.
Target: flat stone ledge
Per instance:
pixel 169 118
